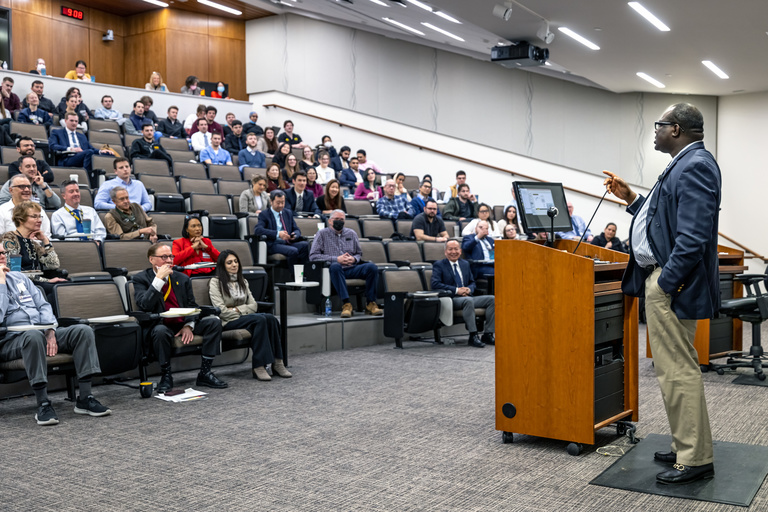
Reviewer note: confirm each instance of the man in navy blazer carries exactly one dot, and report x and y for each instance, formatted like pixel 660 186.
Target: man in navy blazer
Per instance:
pixel 479 248
pixel 673 262
pixel 282 233
pixel 454 276
pixel 308 204
pixel 68 139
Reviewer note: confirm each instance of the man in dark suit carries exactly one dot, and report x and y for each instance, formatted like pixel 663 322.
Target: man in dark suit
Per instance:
pixel 159 289
pixel 453 275
pixel 69 140
pixel 282 233
pixel 300 200
pixel 479 248
pixel 673 262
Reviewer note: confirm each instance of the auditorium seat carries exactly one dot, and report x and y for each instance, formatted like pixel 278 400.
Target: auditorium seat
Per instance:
pixel 37 132
pixel 62 174
pixel 168 223
pixel 308 225
pixel 9 154
pixel 198 186
pixel 405 254
pixel 103 125
pixel 381 228
pixel 220 222
pixel 80 258
pixel 181 156
pixel 224 172
pixel 189 170
pixel 433 251
pixel 152 166
pixel 174 144
pixel 359 208
pixel 250 172
pixel 97 139
pixel 404 226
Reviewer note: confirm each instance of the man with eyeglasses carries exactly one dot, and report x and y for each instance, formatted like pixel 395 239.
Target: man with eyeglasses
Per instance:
pixel 420 201
pixel 428 226
pixel 129 220
pixel 23 304
pixel 159 289
pixel 673 263
pixel 21 190
pixel 41 192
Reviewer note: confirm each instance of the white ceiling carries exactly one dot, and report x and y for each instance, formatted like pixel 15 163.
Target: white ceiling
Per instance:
pixel 732 35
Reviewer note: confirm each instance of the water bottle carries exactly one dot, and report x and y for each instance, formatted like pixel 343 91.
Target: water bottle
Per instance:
pixel 327 307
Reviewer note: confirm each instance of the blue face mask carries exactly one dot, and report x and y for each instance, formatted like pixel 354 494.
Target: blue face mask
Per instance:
pixel 220 89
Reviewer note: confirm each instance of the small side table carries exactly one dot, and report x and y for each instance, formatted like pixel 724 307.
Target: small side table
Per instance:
pixel 284 288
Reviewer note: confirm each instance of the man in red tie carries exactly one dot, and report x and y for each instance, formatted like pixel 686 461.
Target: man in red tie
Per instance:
pixel 282 234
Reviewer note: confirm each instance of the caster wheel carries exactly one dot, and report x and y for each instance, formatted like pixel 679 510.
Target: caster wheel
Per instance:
pixel 720 371
pixel 704 368
pixel 574 449
pixel 760 376
pixel 507 437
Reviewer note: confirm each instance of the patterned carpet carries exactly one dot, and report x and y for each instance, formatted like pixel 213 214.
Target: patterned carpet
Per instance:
pixel 372 429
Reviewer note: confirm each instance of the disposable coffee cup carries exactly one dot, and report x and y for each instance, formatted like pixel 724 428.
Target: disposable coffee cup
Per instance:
pixel 320 225
pixel 74 177
pixel 298 273
pixel 145 388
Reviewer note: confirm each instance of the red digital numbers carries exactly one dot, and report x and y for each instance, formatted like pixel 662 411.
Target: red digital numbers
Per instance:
pixel 71 13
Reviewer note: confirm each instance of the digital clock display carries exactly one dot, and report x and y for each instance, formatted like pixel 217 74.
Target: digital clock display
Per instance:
pixel 71 13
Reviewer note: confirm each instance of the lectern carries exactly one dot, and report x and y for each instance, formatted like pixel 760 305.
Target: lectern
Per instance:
pixel 567 339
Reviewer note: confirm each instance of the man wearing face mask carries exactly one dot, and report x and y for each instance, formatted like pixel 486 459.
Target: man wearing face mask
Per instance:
pixel 340 247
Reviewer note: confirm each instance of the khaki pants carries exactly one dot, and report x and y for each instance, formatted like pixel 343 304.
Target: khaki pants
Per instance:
pixel 679 374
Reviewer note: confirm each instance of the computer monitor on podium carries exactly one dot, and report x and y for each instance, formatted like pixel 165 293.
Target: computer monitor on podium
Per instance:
pixel 536 200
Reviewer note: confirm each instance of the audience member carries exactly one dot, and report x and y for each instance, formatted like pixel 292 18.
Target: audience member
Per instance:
pixel 351 177
pixel 427 226
pixel 148 113
pixel 136 190
pixel 11 101
pixel 41 192
pixel 21 191
pixel 45 103
pixel 608 239
pixel 331 199
pixel 156 83
pixel 252 127
pixel 364 164
pixel 33 114
pixel 193 248
pixel 484 212
pixel 220 92
pixel 171 126
pixel 160 288
pixel 68 220
pixel 275 178
pixel 287 136
pixel 368 189
pixel 290 168
pixel 283 150
pixel 479 246
pixel 510 217
pixel 462 207
pixel 326 145
pixel 453 275
pixel 340 162
pixel 79 72
pixel 5 126
pixel 250 156
pixel 510 232
pixel 307 158
pixel 31 308
pixel 417 204
pixel 137 117
pixel 72 108
pixel 81 108
pixel 229 118
pixel 255 199
pixel 201 139
pixel 579 228
pixel 461 178
pixel 78 150
pixel 236 141
pixel 107 112
pixel 148 147
pixel 199 113
pixel 230 292
pixel 39 68
pixel 214 154
pixel 312 184
pixel 399 187
pixel 340 247
pixel 390 205
pixel 435 193
pixel 268 144
pixel 26 147
pixel 190 86
pixel 325 172
pixel 210 117
pixel 129 220
pixel 300 200
pixel 282 234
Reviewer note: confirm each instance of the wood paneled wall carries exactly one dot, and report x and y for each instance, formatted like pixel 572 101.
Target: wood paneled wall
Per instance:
pixel 172 42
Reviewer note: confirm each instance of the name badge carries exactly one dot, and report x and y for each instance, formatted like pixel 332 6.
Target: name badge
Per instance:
pixel 206 255
pixel 26 300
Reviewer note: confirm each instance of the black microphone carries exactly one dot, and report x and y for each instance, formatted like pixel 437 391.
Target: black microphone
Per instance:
pixel 552 212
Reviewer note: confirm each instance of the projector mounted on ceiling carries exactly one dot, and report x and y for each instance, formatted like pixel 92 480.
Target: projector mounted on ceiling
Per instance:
pixel 520 54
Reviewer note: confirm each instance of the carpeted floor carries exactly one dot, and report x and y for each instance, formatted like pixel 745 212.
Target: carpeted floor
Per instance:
pixel 372 429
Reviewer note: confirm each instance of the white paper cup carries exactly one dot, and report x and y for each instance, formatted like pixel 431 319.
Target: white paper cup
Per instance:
pixel 74 177
pixel 298 273
pixel 320 225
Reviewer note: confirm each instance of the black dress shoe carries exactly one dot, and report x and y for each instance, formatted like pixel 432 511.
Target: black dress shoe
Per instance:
pixel 488 338
pixel 680 474
pixel 166 383
pixel 210 380
pixel 666 457
pixel 474 341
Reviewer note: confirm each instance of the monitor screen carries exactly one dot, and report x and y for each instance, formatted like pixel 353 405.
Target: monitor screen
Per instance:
pixel 534 200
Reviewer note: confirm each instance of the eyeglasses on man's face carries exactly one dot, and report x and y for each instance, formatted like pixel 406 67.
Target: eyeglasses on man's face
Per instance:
pixel 659 124
pixel 21 187
pixel 165 257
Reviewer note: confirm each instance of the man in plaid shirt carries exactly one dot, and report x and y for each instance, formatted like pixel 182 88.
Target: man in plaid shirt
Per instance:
pixel 340 247
pixel 391 206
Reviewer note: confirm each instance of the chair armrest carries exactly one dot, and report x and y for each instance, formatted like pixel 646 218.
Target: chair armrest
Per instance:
pixel 69 321
pixel 266 307
pixel 241 215
pixel 401 263
pixel 116 271
pixel 143 317
pixel 151 191
pixel 209 311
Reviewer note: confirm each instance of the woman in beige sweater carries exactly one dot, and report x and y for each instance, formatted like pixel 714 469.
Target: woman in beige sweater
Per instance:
pixel 229 292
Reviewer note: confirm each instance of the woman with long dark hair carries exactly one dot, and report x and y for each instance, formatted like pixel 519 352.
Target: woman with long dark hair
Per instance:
pixel 230 292
pixel 283 150
pixel 510 217
pixel 290 168
pixel 332 199
pixel 275 178
pixel 268 144
pixel 368 188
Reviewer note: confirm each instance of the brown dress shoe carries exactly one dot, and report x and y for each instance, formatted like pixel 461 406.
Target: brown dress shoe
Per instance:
pixel 373 309
pixel 346 310
pixel 279 369
pixel 260 373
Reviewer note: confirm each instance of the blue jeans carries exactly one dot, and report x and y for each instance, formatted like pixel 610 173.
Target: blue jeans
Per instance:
pixel 368 271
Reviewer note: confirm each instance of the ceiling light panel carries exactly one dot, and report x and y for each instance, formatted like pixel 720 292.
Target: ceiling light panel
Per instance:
pixel 157 2
pixel 651 80
pixel 648 15
pixel 403 26
pixel 220 7
pixel 716 70
pixel 444 32
pixel 447 17
pixel 420 4
pixel 583 40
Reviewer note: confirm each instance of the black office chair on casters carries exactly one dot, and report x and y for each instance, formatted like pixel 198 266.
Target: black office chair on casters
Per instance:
pixel 753 309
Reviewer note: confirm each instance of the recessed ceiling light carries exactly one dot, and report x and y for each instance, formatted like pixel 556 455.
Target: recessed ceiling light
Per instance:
pixel 404 26
pixel 447 17
pixel 419 4
pixel 648 15
pixel 379 2
pixel 444 32
pixel 157 2
pixel 220 7
pixel 716 70
pixel 583 40
pixel 651 80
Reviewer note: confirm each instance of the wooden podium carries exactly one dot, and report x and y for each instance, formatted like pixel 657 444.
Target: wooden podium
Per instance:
pixel 566 341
